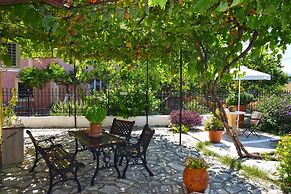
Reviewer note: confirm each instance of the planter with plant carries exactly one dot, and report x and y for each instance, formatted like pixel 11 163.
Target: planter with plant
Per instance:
pixel 231 108
pixel 195 174
pixel 12 137
pixel 95 116
pixel 215 128
pixel 95 112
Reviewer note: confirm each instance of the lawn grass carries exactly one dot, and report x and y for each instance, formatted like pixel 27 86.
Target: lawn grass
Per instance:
pixel 249 171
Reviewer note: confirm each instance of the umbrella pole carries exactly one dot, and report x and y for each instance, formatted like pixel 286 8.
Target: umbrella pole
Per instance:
pixel 238 105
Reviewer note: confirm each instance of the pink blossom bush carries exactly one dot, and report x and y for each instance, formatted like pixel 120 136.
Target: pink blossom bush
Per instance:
pixel 189 118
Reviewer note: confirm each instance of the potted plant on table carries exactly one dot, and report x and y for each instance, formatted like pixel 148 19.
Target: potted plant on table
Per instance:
pixel 95 116
pixel 195 174
pixel 215 128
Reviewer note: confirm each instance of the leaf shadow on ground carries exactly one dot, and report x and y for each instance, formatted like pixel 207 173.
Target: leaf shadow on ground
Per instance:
pixel 165 159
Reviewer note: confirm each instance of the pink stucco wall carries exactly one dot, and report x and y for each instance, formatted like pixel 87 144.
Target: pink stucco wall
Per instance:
pixel 42 97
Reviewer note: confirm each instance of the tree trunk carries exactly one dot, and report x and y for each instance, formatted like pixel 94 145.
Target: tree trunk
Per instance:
pixel 212 101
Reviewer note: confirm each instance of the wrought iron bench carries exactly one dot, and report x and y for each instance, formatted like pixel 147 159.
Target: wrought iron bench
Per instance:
pixel 60 164
pixel 133 152
pixel 47 142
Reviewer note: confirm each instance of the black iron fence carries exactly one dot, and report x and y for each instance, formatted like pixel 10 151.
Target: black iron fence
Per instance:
pixel 170 100
pixel 42 102
pixel 61 102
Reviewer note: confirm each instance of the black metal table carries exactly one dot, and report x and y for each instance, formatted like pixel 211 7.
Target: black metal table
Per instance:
pixel 96 145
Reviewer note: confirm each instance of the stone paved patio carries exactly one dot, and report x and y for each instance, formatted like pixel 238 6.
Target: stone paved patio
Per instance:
pixel 165 159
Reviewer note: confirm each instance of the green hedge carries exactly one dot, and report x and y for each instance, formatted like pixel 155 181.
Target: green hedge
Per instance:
pixel 284 156
pixel 276 114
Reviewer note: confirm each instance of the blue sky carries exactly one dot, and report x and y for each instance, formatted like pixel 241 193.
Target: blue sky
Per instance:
pixel 286 60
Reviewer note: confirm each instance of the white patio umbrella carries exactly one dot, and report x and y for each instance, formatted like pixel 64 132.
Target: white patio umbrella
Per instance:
pixel 245 73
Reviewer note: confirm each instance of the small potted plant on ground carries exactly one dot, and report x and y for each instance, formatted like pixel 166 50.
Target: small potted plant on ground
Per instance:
pixel 195 174
pixel 215 128
pixel 95 116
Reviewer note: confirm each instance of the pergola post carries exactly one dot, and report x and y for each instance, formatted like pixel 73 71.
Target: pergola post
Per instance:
pixel 147 93
pixel 181 98
pixel 75 97
pixel 1 123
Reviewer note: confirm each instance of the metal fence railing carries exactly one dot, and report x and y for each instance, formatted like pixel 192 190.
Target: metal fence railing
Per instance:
pixel 40 102
pixel 61 102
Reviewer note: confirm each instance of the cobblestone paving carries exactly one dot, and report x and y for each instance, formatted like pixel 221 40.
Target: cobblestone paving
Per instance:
pixel 165 158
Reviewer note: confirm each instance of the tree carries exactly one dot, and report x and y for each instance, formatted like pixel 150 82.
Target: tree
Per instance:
pixel 218 38
pixel 213 36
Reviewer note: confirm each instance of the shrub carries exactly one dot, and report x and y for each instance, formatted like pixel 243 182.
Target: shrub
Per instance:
pixel 8 110
pixel 176 129
pixel 276 114
pixel 129 100
pixel 63 108
pixel 194 105
pixel 245 98
pixel 189 118
pixel 284 156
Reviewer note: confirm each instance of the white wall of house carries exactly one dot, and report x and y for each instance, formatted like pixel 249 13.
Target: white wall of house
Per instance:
pixel 68 122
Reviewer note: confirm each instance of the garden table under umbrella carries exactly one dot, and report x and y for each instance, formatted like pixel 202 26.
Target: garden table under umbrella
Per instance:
pixel 245 73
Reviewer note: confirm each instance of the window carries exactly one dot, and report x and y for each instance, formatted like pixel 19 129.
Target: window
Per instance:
pixel 98 85
pixel 14 53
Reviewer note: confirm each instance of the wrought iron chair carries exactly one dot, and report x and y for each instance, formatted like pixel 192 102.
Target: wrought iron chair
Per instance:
pixel 122 128
pixel 133 152
pixel 47 142
pixel 251 123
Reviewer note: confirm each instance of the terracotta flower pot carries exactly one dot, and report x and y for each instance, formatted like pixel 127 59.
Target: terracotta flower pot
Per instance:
pixel 195 180
pixel 215 136
pixel 95 128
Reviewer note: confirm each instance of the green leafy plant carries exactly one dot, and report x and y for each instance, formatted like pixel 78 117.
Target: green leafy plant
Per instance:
pixel 95 110
pixel 33 77
pixel 57 73
pixel 231 108
pixel 95 114
pixel 194 105
pixel 245 98
pixel 276 114
pixel 63 108
pixel 8 111
pixel 284 156
pixel 176 128
pixel 129 100
pixel 213 124
pixel 196 163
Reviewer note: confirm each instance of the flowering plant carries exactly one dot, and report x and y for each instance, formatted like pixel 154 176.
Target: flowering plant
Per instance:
pixel 196 163
pixel 277 113
pixel 189 118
